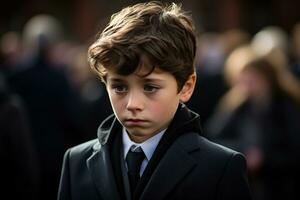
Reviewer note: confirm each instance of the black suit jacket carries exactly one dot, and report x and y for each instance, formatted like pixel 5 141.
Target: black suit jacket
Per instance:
pixel 190 168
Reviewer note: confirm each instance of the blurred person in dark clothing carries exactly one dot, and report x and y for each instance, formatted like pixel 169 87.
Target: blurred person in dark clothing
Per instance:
pixel 92 94
pixel 259 116
pixel 19 165
pixel 212 51
pixel 209 85
pixel 51 104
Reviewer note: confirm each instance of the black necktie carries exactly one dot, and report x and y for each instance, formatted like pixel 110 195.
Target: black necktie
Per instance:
pixel 134 160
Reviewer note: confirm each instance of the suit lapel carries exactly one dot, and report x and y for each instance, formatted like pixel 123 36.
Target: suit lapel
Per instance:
pixel 101 171
pixel 173 167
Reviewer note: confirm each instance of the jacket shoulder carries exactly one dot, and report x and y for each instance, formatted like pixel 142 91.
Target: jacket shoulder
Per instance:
pixel 213 153
pixel 219 151
pixel 215 148
pixel 193 140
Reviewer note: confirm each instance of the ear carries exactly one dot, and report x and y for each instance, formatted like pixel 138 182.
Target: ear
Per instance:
pixel 188 88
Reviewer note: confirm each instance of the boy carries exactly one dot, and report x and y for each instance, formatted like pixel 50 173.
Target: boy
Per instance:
pixel 151 147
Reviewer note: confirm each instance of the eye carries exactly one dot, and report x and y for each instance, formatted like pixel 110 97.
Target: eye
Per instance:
pixel 151 88
pixel 119 88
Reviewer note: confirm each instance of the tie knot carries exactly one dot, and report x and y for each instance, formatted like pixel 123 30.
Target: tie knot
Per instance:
pixel 134 159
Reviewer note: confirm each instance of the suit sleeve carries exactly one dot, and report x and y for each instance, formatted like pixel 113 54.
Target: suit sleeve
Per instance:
pixel 64 185
pixel 234 182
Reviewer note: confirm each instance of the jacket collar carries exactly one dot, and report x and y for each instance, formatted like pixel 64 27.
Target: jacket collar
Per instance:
pixel 106 129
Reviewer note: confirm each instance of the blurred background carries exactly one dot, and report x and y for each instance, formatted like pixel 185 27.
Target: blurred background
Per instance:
pixel 82 19
pixel 247 93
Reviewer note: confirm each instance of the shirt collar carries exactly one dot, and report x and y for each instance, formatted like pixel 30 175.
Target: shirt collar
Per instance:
pixel 148 146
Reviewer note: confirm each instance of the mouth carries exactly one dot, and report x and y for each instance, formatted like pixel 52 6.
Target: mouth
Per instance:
pixel 134 122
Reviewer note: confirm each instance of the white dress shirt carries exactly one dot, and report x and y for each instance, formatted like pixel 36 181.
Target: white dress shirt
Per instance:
pixel 147 146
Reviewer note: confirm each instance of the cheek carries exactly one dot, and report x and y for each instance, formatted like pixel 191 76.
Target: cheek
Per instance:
pixel 157 109
pixel 116 102
pixel 164 109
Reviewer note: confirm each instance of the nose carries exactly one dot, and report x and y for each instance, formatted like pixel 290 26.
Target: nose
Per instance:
pixel 135 101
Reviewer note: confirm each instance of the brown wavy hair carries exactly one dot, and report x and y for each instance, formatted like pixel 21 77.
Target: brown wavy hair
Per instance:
pixel 146 34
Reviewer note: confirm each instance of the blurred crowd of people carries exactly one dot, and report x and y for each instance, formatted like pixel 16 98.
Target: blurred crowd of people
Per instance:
pixel 254 105
pixel 60 104
pixel 247 95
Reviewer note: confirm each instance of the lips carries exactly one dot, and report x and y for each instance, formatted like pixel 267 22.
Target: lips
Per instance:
pixel 134 122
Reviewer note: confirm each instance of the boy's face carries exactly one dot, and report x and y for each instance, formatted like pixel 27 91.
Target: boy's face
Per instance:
pixel 145 105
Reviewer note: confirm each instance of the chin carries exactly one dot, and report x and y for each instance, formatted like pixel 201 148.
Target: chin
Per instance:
pixel 136 132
